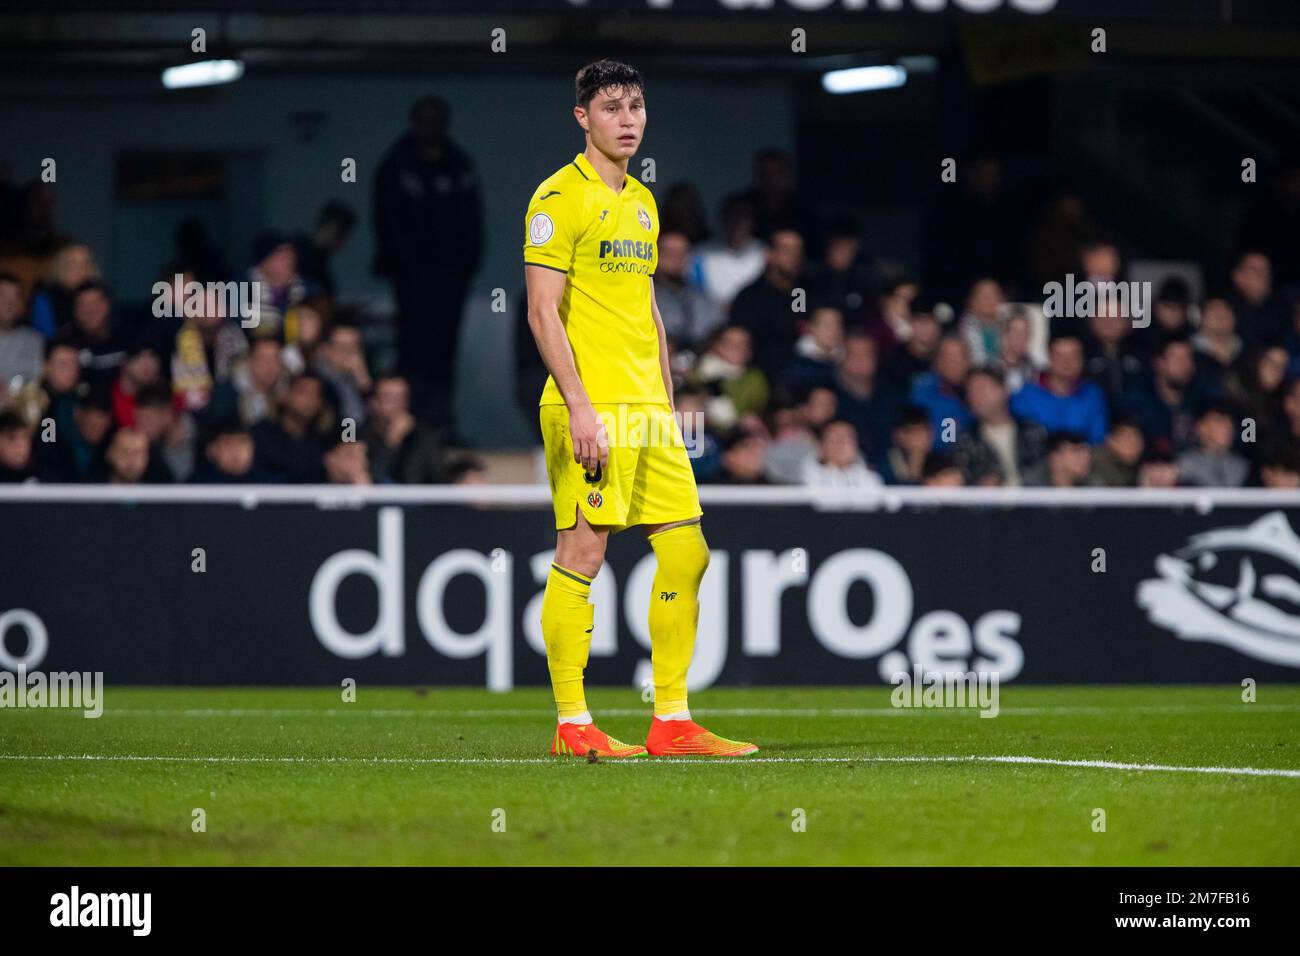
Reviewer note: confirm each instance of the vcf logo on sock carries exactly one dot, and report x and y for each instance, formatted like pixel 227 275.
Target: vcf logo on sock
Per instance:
pixel 667 595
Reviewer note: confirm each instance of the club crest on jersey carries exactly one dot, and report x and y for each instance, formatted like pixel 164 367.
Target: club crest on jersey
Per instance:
pixel 595 500
pixel 540 229
pixel 643 217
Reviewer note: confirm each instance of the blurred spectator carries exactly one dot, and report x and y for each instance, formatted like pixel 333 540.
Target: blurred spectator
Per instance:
pixel 776 202
pixel 735 387
pixel 428 219
pixel 997 449
pixel 1290 432
pixel 21 347
pixel 77 455
pixel 1170 315
pixel 399 448
pixel 229 458
pixel 171 435
pixel 291 445
pixel 140 370
pixel 208 348
pixel 279 286
pixel 15 449
pixel 703 448
pixel 1166 398
pixel 316 252
pixel 51 305
pixel 100 345
pixel 890 323
pixel 126 460
pixel 347 463
pixel 941 470
pixel 1115 462
pixel 941 391
pixel 257 385
pixel 1216 342
pixel 817 351
pixel 839 463
pixel 1109 359
pixel 305 329
pixel 682 211
pixel 341 363
pixel 839 279
pixel 1158 470
pixel 743 460
pixel 862 398
pixel 793 443
pixel 1211 462
pixel 730 263
pixel 1280 467
pixel 903 365
pixel 1014 362
pixel 980 324
pixel 1263 318
pixel 688 314
pixel 1256 385
pixel 766 306
pixel 913 440
pixel 1065 402
pixel 1065 465
pixel 54 395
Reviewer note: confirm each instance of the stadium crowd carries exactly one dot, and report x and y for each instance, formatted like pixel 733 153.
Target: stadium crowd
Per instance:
pixel 876 380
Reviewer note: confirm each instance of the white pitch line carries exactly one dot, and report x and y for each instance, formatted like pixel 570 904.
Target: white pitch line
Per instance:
pixel 494 761
pixel 633 712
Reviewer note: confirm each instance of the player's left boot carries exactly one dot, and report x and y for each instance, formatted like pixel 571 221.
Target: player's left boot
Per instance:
pixel 681 738
pixel 583 740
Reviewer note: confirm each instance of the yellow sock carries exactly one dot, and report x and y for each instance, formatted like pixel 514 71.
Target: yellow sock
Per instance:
pixel 683 557
pixel 567 620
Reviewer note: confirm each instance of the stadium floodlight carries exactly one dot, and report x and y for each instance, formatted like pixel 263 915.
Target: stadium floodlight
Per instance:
pixel 860 79
pixel 202 73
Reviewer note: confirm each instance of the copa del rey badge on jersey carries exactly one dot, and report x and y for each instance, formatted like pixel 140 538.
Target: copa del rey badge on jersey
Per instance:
pixel 643 217
pixel 540 229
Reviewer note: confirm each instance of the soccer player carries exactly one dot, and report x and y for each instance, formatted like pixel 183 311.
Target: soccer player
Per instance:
pixel 589 259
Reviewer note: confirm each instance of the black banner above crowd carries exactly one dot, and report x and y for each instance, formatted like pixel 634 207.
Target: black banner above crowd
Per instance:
pixel 1166 11
pixel 415 593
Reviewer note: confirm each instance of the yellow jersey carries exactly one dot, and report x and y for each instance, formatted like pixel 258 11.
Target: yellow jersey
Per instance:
pixel 607 244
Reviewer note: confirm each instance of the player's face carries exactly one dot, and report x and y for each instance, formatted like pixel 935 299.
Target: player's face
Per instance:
pixel 616 121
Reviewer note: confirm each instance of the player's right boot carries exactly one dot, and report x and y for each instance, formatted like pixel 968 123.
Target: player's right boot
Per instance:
pixel 582 740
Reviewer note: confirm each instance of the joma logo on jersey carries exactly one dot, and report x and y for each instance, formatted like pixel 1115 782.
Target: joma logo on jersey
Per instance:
pixel 626 249
pixel 667 595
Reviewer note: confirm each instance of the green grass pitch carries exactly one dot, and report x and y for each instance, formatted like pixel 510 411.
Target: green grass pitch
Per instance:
pixel 408 776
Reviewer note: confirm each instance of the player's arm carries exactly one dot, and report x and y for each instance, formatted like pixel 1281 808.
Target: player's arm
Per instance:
pixel 665 367
pixel 545 290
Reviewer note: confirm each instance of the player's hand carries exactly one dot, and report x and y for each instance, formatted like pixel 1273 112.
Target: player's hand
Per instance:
pixel 590 443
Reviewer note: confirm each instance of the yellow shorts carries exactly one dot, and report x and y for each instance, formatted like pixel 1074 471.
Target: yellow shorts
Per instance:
pixel 648 479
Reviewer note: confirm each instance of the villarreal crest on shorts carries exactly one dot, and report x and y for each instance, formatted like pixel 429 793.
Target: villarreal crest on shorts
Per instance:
pixel 648 479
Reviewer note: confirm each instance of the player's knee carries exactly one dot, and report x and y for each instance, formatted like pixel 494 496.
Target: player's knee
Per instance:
pixel 682 551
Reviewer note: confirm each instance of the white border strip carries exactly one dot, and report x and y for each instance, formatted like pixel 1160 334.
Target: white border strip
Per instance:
pixel 539 496
pixel 661 762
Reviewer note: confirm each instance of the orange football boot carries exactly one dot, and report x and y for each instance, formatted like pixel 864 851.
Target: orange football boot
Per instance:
pixel 582 740
pixel 680 738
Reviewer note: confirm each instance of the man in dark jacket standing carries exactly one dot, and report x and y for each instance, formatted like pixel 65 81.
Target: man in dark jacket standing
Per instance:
pixel 429 226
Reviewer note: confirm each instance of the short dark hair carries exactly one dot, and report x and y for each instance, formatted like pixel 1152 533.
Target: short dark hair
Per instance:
pixel 603 75
pixel 1056 440
pixel 11 278
pixel 11 421
pixel 157 395
pixel 937 462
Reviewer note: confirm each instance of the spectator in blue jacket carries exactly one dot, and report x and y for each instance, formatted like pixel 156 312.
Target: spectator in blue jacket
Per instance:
pixel 941 391
pixel 1065 402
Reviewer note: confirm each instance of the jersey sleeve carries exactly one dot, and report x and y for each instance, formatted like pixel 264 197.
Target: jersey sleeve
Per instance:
pixel 551 230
